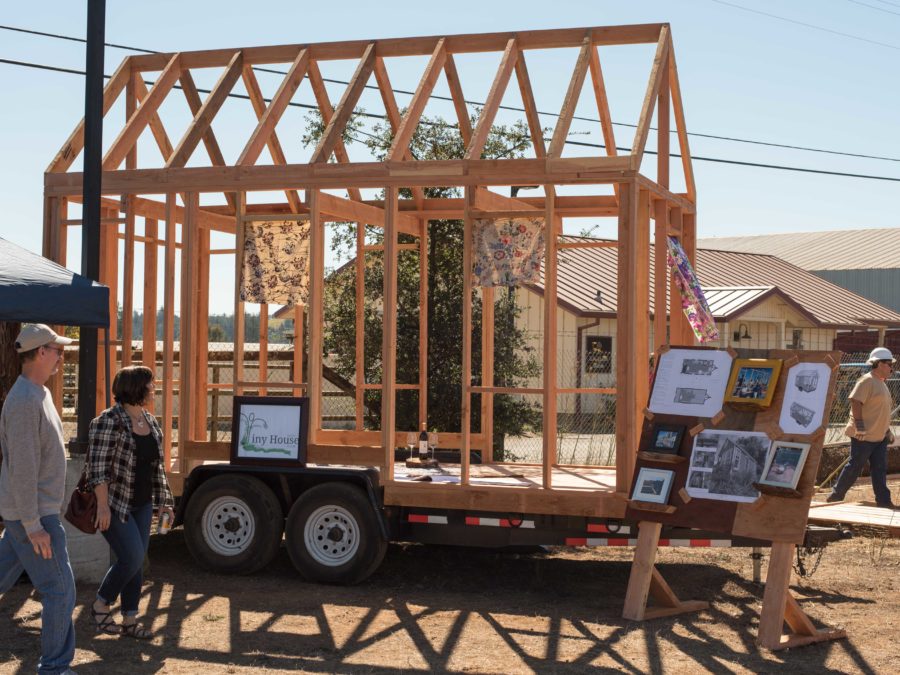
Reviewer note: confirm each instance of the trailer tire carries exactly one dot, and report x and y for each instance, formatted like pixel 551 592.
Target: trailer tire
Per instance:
pixel 332 535
pixel 233 524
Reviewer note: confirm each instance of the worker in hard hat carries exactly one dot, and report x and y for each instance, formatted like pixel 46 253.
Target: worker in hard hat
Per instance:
pixel 869 429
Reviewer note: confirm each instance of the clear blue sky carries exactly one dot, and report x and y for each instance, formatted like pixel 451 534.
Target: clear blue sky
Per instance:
pixel 743 75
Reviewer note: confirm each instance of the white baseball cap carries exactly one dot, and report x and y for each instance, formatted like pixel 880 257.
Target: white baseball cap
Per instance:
pixel 34 335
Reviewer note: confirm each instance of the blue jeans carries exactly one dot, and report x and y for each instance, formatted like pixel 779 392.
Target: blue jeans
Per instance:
pixel 53 579
pixel 875 452
pixel 129 541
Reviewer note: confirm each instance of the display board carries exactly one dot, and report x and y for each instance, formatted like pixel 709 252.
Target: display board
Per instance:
pixel 746 466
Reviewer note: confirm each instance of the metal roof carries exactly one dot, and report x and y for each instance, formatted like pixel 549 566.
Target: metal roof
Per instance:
pixel 836 250
pixel 734 282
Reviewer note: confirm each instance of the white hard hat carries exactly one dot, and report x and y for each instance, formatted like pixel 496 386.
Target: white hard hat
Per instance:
pixel 880 354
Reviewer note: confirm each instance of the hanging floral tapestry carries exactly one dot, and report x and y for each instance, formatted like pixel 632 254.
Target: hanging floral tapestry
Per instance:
pixel 276 262
pixel 693 301
pixel 507 251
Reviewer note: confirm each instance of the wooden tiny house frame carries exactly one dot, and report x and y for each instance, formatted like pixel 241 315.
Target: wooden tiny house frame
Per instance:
pixel 216 196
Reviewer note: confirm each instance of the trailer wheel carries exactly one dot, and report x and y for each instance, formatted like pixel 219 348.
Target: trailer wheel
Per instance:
pixel 332 535
pixel 233 524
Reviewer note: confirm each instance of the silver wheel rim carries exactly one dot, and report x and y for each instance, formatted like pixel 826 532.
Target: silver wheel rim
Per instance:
pixel 228 526
pixel 331 535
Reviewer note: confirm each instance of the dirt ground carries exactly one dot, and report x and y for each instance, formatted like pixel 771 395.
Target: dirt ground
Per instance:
pixel 443 609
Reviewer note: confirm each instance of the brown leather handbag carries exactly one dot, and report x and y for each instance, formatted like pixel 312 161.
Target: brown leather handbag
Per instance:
pixel 82 509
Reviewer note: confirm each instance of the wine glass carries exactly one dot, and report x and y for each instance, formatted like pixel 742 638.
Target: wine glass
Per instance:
pixel 432 442
pixel 411 440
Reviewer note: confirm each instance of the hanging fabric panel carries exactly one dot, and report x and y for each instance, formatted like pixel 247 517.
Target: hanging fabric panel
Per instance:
pixel 693 301
pixel 507 251
pixel 275 266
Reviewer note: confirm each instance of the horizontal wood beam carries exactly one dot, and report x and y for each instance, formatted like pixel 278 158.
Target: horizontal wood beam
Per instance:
pixel 358 212
pixel 149 208
pixel 415 46
pixel 562 171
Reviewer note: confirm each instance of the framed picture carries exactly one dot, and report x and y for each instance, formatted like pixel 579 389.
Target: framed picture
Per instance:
pixel 653 485
pixel 784 464
pixel 597 354
pixel 753 381
pixel 269 430
pixel 690 382
pixel 666 438
pixel 725 464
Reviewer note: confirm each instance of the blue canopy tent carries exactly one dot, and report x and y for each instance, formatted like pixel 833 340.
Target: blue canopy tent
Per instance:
pixel 34 289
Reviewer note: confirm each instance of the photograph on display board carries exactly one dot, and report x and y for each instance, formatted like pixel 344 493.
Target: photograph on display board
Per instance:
pixel 653 485
pixel 805 394
pixel 725 464
pixel 784 464
pixel 666 438
pixel 753 381
pixel 690 382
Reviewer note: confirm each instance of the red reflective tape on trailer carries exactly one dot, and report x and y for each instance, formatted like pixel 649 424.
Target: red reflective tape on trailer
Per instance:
pixel 700 543
pixel 576 541
pixel 695 543
pixel 601 542
pixel 621 542
pixel 471 520
pixel 665 542
pixel 427 520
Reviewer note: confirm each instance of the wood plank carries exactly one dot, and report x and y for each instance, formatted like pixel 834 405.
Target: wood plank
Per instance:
pixel 487 369
pixel 389 332
pixel 576 84
pixel 681 127
pixel 168 378
pixel 393 114
pixel 327 112
pixel 316 313
pixel 660 273
pixel 200 289
pixel 151 274
pixel 75 143
pixel 347 209
pixel 410 121
pixel 128 285
pixel 532 117
pixel 141 118
pixel 201 125
pixel 771 618
pixel 187 344
pixel 528 171
pixel 625 320
pixel 663 114
pixel 549 428
pixel 641 571
pixel 423 328
pixel 240 234
pixel 507 499
pixel 417 46
pixel 335 128
pixel 275 109
pixel 251 84
pixel 494 98
pixel 459 101
pixel 466 372
pixel 360 328
pixel 650 97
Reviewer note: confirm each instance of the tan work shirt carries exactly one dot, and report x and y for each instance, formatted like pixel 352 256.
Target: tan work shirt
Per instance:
pixel 876 402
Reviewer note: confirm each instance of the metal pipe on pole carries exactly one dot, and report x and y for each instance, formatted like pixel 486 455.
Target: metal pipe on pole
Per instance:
pixel 90 229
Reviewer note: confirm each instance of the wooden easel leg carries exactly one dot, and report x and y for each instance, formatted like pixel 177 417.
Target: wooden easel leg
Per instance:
pixel 779 607
pixel 645 580
pixel 641 571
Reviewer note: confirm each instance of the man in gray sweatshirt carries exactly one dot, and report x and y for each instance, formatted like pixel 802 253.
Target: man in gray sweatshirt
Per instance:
pixel 32 490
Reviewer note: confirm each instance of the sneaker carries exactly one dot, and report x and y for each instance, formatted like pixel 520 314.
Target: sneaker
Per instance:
pixel 832 498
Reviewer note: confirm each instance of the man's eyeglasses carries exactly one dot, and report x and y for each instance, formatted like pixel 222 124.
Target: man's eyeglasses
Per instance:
pixel 59 350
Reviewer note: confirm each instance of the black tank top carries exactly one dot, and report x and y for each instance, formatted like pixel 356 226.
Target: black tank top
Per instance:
pixel 145 458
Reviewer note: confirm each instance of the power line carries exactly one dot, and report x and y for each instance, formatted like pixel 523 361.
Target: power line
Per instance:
pixel 806 25
pixel 731 139
pixel 698 158
pixel 877 9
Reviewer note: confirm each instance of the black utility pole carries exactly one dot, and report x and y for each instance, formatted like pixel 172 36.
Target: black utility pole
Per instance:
pixel 90 228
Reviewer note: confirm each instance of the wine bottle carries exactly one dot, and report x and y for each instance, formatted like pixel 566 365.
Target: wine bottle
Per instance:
pixel 423 443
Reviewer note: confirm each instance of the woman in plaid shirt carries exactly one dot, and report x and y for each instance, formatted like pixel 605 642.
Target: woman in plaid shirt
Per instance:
pixel 126 470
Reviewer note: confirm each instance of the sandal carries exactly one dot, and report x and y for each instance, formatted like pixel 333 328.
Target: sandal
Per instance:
pixel 136 631
pixel 104 622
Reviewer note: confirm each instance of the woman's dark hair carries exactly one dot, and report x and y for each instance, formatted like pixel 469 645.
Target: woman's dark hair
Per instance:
pixel 130 384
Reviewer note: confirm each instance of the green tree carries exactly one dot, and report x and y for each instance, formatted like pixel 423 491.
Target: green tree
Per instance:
pixel 434 139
